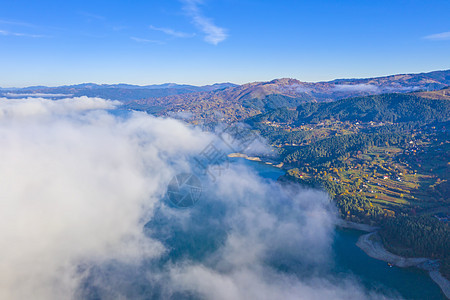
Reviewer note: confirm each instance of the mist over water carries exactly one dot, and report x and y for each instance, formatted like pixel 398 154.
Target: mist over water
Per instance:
pixel 85 214
pixel 248 238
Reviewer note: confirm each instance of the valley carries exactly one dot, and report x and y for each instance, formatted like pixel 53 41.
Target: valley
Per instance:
pixel 379 147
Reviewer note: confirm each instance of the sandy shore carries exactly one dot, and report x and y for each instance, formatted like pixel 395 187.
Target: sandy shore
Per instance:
pixel 443 283
pixel 374 248
pixel 253 158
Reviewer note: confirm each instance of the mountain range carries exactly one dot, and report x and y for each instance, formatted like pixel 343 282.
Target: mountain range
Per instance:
pixel 230 102
pixel 240 102
pixel 122 92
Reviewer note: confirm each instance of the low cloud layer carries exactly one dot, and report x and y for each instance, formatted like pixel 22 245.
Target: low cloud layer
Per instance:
pixel 36 95
pixel 143 40
pixel 12 109
pixel 84 214
pixel 370 88
pixel 77 186
pixel 373 89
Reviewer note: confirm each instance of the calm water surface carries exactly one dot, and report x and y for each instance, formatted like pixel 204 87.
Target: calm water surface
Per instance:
pixel 375 275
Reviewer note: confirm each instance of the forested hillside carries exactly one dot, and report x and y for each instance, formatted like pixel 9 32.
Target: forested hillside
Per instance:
pixel 384 159
pixel 378 108
pixel 237 103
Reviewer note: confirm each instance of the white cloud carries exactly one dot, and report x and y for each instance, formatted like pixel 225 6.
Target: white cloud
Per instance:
pixel 39 107
pixel 259 283
pixel 142 40
pixel 76 187
pixel 295 88
pixel 214 34
pixel 373 89
pixel 356 88
pixel 183 115
pixel 10 33
pixel 398 88
pixel 35 95
pixel 171 32
pixel 78 184
pixel 242 229
pixel 443 36
pixel 16 23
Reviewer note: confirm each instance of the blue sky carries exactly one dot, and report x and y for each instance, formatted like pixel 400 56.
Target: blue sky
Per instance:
pixel 206 41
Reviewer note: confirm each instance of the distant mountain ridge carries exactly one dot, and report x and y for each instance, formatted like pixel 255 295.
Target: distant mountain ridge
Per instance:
pixel 129 86
pixel 344 88
pixel 240 102
pixel 227 102
pixel 122 92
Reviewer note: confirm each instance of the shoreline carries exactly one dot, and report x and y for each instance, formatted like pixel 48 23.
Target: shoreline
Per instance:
pixel 255 158
pixel 241 155
pixel 375 249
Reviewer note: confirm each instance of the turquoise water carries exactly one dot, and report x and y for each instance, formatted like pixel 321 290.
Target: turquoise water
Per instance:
pixel 375 275
pixel 410 283
pixel 196 235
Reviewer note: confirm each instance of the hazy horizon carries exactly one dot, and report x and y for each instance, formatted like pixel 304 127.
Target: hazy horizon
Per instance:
pixel 213 83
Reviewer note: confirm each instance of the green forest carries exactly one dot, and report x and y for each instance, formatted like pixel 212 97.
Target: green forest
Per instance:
pixel 383 159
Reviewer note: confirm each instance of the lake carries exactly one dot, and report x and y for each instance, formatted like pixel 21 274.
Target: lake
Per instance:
pixel 376 275
pixel 195 236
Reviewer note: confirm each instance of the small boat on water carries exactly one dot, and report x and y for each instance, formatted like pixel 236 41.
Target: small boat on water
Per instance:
pixel 390 265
